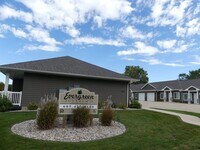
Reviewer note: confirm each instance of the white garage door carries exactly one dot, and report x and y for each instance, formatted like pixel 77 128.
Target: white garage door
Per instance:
pixel 141 96
pixel 150 97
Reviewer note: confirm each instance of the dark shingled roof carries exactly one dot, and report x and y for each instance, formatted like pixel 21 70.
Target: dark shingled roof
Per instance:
pixel 66 66
pixel 175 84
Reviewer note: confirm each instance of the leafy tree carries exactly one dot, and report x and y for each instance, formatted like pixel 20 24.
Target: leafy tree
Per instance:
pixel 183 76
pixel 194 74
pixel 1 86
pixel 137 73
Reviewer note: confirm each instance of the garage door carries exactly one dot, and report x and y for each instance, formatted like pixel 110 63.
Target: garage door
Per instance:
pixel 141 96
pixel 150 97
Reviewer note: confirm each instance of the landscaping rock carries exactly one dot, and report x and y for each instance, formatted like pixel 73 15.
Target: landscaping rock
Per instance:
pixel 69 134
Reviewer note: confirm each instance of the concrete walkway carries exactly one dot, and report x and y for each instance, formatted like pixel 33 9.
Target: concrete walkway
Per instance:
pixel 185 118
pixel 172 105
pixel 175 106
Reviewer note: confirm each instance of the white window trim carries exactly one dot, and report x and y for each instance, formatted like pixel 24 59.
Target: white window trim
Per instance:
pixel 178 93
pixel 162 97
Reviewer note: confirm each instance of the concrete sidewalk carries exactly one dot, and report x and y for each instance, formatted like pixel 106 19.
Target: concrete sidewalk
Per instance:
pixel 172 105
pixel 185 118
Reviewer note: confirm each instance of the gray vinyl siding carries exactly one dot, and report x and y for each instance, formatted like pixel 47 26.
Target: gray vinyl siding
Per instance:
pixel 36 86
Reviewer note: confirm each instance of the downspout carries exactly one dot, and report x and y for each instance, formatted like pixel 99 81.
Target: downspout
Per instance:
pixel 128 94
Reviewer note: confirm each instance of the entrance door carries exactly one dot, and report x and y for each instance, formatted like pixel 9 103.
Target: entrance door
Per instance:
pixel 167 96
pixel 193 97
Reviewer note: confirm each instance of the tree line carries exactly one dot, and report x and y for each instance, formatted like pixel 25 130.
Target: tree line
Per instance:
pixel 2 86
pixel 139 73
pixel 194 74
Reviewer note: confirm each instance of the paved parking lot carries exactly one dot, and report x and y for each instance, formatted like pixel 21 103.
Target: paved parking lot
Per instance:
pixel 172 105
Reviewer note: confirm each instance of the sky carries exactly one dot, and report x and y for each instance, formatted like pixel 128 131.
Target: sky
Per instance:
pixel 161 36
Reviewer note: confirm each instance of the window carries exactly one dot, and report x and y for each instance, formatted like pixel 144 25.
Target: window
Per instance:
pixel 161 95
pixel 176 95
pixel 185 96
pixel 76 86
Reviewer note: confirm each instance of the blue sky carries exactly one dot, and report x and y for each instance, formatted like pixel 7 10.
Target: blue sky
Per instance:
pixel 161 36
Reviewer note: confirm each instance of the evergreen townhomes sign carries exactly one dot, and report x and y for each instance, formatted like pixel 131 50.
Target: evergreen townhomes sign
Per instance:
pixel 77 97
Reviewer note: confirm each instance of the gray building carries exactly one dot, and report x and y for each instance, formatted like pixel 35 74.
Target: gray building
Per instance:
pixel 186 91
pixel 35 79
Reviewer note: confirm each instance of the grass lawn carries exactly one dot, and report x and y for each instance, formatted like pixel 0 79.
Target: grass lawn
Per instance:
pixel 182 112
pixel 145 130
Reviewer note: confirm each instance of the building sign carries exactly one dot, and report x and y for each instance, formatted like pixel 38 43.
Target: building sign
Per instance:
pixel 77 97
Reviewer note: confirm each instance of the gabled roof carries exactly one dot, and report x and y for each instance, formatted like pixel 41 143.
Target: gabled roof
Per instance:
pixel 167 88
pixel 174 85
pixel 64 66
pixel 148 86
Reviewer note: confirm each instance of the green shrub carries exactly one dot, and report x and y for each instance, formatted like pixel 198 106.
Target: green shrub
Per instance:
pixel 5 104
pixel 47 115
pixel 81 117
pixel 135 104
pixel 122 106
pixel 32 106
pixel 114 105
pixel 107 117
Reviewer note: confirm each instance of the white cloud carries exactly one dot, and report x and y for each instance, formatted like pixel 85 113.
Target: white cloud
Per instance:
pixel 16 32
pixel 68 13
pixel 140 49
pixel 133 33
pixel 153 61
pixel 33 34
pixel 73 32
pixel 192 27
pixel 50 48
pixel 166 44
pixel 95 41
pixel 173 46
pixel 7 12
pixel 196 60
pixel 168 12
pixel 98 20
pixel 19 33
pixel 1 35
pixel 128 59
pixel 180 31
pixel 41 35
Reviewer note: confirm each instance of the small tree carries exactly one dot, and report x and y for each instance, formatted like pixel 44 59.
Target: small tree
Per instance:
pixel 47 115
pixel 137 72
pixel 107 117
pixel 1 86
pixel 183 76
pixel 81 117
pixel 5 104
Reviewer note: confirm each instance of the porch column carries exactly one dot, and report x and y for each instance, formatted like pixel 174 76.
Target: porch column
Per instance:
pixel 6 83
pixel 189 99
pixel 197 97
pixel 165 96
pixel 170 96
